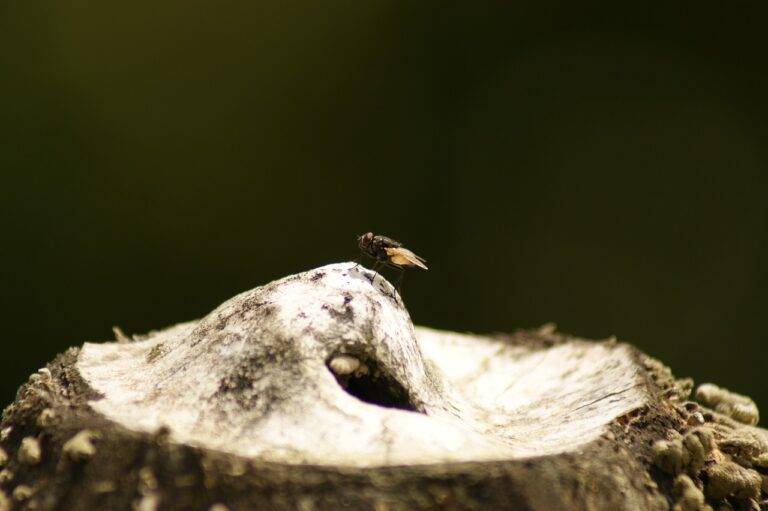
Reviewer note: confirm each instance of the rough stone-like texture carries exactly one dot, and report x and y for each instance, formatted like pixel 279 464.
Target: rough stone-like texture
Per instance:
pixel 317 392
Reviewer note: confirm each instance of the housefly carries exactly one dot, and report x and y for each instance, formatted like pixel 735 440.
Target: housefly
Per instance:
pixel 388 252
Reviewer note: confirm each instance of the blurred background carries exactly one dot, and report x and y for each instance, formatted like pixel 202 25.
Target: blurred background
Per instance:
pixel 603 168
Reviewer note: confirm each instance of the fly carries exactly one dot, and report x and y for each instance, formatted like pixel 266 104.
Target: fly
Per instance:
pixel 388 252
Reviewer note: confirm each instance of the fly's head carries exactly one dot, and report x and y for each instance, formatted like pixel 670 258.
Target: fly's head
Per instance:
pixel 365 242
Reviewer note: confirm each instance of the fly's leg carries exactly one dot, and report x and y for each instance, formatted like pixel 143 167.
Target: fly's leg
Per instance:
pixel 375 265
pixel 399 281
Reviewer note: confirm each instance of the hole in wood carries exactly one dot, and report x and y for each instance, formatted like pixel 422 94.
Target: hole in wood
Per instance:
pixel 365 380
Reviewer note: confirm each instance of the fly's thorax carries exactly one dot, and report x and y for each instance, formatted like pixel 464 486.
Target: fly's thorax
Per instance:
pixel 381 243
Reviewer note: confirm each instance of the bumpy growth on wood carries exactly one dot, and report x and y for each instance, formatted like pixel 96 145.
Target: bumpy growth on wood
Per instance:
pixel 317 392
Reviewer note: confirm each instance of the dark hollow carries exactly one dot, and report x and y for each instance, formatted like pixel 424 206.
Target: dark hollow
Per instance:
pixel 377 388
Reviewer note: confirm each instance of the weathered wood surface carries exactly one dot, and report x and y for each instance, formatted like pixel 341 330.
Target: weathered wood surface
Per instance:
pixel 317 392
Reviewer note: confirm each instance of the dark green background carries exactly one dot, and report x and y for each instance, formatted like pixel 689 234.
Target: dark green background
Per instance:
pixel 603 168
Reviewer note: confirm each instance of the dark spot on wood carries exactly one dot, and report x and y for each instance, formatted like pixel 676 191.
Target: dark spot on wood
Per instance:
pixel 252 384
pixel 317 276
pixel 348 315
pixel 234 383
pixel 155 353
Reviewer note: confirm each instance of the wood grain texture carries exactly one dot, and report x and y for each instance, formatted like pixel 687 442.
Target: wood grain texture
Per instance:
pixel 317 392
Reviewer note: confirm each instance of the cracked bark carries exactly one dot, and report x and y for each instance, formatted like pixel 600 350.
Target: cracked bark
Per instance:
pixel 317 392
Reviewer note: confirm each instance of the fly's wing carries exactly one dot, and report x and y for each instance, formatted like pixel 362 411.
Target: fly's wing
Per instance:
pixel 403 257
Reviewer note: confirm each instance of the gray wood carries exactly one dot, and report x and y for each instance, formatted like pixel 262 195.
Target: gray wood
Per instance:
pixel 317 392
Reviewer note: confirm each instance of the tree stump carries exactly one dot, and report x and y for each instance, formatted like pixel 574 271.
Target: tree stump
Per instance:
pixel 316 392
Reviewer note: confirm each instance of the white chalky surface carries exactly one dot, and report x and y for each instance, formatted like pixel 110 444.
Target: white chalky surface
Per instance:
pixel 251 378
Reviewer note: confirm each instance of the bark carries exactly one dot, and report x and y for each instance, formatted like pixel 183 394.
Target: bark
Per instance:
pixel 317 392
